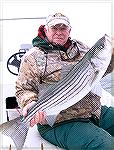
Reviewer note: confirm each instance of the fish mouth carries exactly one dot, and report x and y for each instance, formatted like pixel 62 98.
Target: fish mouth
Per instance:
pixel 107 38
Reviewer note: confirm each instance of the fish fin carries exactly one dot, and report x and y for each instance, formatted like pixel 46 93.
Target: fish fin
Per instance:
pixel 17 130
pixel 51 119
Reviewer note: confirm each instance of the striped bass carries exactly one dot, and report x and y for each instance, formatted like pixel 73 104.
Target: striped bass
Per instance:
pixel 76 84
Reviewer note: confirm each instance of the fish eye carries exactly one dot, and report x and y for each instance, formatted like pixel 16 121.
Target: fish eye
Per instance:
pixel 102 46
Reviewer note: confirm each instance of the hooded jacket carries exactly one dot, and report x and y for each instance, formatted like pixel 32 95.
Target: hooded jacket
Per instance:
pixel 42 65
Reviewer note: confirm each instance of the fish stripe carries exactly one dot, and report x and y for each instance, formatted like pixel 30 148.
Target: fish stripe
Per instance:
pixel 62 94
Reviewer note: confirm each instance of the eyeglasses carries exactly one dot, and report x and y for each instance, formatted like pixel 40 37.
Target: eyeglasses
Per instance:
pixel 60 28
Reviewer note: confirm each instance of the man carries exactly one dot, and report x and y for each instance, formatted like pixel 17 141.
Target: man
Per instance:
pixel 85 125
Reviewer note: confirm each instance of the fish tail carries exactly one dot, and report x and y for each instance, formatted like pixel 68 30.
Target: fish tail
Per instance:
pixel 17 130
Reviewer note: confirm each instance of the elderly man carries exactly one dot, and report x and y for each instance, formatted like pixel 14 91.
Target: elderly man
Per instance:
pixel 85 125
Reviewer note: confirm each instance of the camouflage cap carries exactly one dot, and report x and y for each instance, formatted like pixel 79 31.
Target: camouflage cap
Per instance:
pixel 57 18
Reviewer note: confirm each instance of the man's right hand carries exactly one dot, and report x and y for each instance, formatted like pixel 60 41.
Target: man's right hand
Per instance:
pixel 39 117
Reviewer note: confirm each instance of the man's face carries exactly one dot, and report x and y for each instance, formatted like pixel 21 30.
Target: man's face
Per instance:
pixel 58 34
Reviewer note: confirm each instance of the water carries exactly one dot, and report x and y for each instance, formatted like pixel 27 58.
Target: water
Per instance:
pixel 107 83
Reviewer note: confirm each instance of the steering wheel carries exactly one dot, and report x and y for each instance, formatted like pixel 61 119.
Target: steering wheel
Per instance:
pixel 13 63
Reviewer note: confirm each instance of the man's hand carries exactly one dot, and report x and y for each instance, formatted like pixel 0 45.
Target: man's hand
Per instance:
pixel 39 117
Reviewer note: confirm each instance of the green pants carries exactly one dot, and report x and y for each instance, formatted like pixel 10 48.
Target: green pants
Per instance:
pixel 81 135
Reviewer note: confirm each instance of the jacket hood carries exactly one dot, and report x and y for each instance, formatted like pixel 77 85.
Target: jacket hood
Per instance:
pixel 42 42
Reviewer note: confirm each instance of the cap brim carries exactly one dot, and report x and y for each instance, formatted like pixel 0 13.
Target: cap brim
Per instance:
pixel 58 21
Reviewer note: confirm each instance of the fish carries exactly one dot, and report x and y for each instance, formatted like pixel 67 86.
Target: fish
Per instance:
pixel 76 83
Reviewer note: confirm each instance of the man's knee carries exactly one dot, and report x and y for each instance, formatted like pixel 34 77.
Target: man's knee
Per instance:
pixel 89 137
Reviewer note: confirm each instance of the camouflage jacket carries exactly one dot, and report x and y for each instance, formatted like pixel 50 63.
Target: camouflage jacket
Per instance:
pixel 39 68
